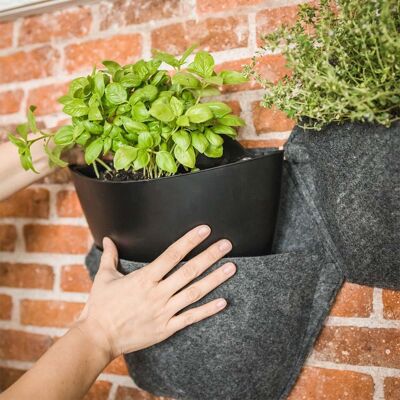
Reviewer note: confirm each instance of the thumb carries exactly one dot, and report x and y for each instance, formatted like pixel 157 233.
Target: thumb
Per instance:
pixel 109 258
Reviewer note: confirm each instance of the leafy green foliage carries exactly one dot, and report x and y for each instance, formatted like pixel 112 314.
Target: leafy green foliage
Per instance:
pixel 141 117
pixel 345 59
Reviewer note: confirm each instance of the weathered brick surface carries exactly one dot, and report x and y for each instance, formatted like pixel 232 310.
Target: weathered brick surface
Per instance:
pixel 391 304
pixel 10 101
pixel 211 6
pixel 117 367
pixel 28 276
pixel 99 391
pixel 45 98
pixel 68 204
pixel 8 376
pixel 270 120
pixel 8 237
pixel 392 388
pixel 213 34
pixel 5 306
pixel 29 203
pixel 75 278
pixel 6 30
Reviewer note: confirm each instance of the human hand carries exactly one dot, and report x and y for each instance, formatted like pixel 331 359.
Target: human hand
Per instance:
pixel 132 312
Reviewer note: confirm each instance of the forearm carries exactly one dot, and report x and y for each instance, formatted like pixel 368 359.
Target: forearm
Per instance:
pixel 12 176
pixel 65 372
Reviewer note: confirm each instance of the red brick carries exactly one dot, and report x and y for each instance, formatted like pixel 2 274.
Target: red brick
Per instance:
pixel 5 306
pixel 117 367
pixel 75 278
pixel 6 31
pixel 8 237
pixel 26 65
pixel 49 313
pixel 210 6
pixel 213 34
pixel 235 106
pixel 270 120
pixel 23 346
pixel 391 304
pixel 8 376
pixel 359 346
pixel 56 239
pixel 28 203
pixel 272 18
pixel 120 13
pixel 68 204
pixel 353 301
pixel 270 67
pixel 27 276
pixel 128 393
pixel 45 28
pixel 392 388
pixel 10 101
pixel 45 98
pixel 120 48
pixel 253 144
pixel 99 391
pixel 328 384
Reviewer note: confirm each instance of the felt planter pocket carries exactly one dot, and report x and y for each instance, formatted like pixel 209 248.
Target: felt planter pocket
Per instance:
pixel 255 348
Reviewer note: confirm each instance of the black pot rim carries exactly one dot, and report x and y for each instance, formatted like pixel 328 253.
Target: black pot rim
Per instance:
pixel 74 168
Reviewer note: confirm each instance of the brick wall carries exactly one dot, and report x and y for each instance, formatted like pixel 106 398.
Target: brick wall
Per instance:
pixel 43 235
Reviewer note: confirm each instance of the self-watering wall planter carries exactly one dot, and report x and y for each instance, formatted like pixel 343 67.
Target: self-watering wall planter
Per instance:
pixel 239 201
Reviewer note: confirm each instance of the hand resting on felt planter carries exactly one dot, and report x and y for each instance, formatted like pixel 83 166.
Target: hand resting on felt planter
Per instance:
pixel 127 313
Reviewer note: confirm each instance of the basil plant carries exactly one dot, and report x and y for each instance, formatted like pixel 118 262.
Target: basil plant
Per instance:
pixel 144 118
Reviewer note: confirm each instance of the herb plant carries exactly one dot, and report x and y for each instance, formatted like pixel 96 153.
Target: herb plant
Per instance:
pixel 141 116
pixel 345 63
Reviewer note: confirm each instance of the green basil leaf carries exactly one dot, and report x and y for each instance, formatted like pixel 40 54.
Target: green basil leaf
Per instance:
pixel 76 85
pixel 232 77
pixel 158 78
pixel 162 112
pixel 213 138
pixel 185 79
pixel 186 157
pixel 207 92
pixel 214 80
pixel 145 140
pixel 224 130
pixel 199 113
pixel 183 120
pixel 218 108
pixel 76 108
pixel 231 120
pixel 199 142
pixel 182 139
pixel 165 161
pixel 99 83
pixel 142 159
pixel 139 112
pixel 214 152
pixel 107 145
pixel 31 119
pixel 83 138
pixel 124 157
pixel 65 99
pixel 140 69
pixel 93 150
pixel 23 130
pixel 54 156
pixel 132 126
pixel 93 127
pixel 116 93
pixel 176 105
pixel 123 109
pixel 94 113
pixel 146 93
pixel 203 64
pixel 112 66
pixel 187 53
pixel 17 141
pixel 152 66
pixel 131 80
pixel 64 136
pixel 166 57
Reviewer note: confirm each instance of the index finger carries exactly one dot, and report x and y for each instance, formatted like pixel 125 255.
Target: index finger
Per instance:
pixel 177 251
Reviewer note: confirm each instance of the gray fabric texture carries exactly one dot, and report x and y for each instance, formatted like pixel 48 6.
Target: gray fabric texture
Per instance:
pixel 254 349
pixel 348 178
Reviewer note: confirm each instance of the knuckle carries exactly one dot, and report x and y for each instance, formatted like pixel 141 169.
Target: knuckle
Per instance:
pixel 173 255
pixel 189 319
pixel 193 294
pixel 189 272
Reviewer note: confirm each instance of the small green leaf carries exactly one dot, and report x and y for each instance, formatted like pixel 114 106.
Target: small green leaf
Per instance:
pixel 145 140
pixel 199 142
pixel 116 93
pixel 207 92
pixel 94 113
pixel 54 156
pixel 199 113
pixel 139 112
pixel 165 161
pixel 112 66
pixel 182 139
pixel 214 152
pixel 107 145
pixel 176 105
pixel 214 80
pixel 224 130
pixel 123 109
pixel 166 57
pixel 65 99
pixel 93 150
pixel 23 130
pixel 183 120
pixel 232 77
pixel 146 93
pixel 187 53
pixel 64 136
pixel 17 141
pixel 130 80
pixel 142 159
pixel 83 138
pixel 185 79
pixel 162 112
pixel 231 120
pixel 218 108
pixel 124 157
pixel 203 64
pixel 132 126
pixel 93 127
pixel 99 83
pixel 186 157
pixel 78 84
pixel 213 138
pixel 76 108
pixel 31 119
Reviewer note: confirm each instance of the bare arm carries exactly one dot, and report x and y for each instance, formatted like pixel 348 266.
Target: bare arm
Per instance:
pixel 125 314
pixel 12 176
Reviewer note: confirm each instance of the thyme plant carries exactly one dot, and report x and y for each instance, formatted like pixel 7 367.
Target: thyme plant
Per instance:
pixel 141 116
pixel 345 62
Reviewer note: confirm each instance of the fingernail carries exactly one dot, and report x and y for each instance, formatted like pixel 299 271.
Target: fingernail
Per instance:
pixel 221 303
pixel 225 245
pixel 228 269
pixel 204 230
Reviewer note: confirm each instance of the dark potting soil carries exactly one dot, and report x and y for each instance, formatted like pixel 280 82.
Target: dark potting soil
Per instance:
pixel 121 176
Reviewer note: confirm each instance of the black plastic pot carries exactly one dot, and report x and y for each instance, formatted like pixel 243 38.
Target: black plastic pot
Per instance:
pixel 239 201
